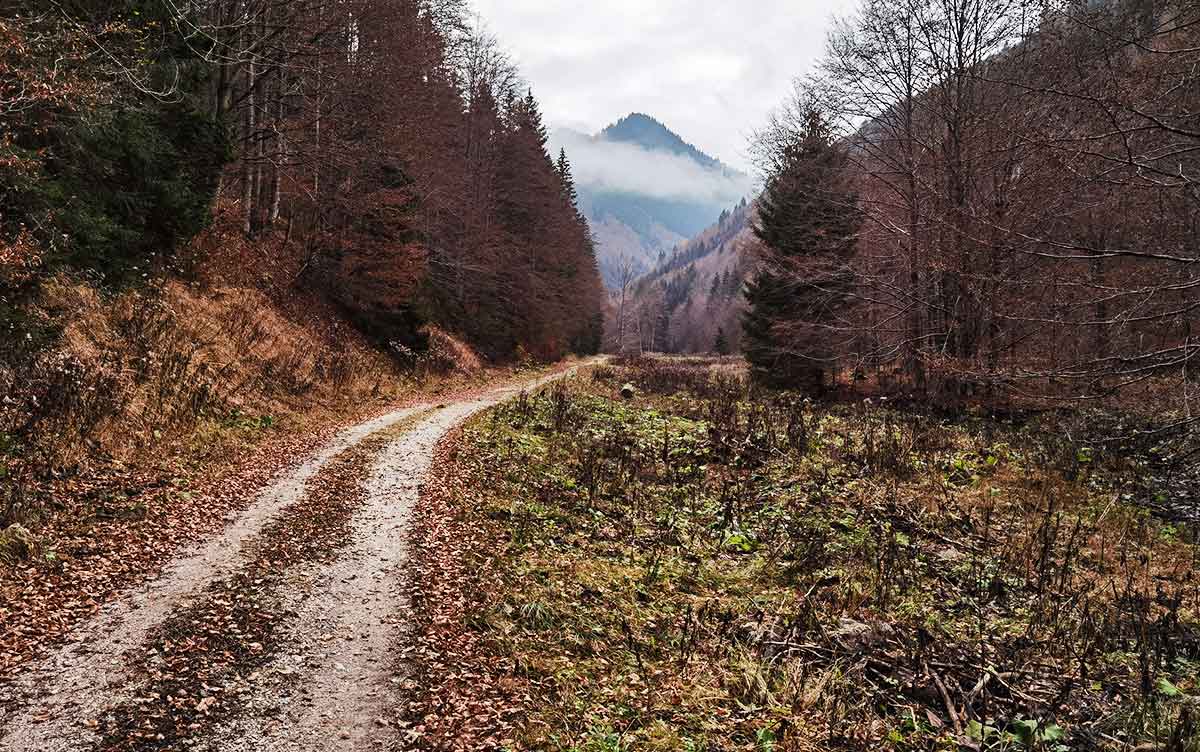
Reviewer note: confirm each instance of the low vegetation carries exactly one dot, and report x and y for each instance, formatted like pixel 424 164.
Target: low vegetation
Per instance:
pixel 705 566
pixel 179 374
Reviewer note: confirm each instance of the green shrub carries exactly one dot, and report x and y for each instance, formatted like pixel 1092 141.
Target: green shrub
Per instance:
pixel 126 186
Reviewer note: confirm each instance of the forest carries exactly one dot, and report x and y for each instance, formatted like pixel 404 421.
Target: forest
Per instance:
pixel 386 144
pixel 320 429
pixel 972 201
pixel 206 208
pixel 988 198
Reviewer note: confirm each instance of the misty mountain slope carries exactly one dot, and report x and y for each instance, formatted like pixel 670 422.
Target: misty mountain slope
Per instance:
pixel 649 133
pixel 645 190
pixel 611 232
pixel 695 294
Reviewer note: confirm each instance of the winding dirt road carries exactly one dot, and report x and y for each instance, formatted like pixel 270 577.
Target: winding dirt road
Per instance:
pixel 324 678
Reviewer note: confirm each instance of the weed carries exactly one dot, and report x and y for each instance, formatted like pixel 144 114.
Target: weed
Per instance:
pixel 712 567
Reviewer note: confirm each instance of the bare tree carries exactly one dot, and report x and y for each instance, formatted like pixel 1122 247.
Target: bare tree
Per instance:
pixel 626 274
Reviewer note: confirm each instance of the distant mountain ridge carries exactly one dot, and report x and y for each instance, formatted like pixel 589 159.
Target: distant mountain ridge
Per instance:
pixel 645 191
pixel 651 134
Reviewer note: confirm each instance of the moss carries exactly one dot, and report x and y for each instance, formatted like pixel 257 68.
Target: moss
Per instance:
pixel 17 545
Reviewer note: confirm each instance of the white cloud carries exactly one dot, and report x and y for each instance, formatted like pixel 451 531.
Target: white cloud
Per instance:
pixel 627 167
pixel 711 70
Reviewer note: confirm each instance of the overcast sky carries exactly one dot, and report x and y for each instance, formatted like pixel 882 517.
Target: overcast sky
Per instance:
pixel 711 70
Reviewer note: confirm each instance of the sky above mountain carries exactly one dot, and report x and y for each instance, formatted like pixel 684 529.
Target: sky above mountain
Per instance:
pixel 590 63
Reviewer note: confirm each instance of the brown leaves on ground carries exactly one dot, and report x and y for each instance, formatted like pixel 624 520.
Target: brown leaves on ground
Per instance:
pixel 116 527
pixel 204 657
pixel 84 562
pixel 462 696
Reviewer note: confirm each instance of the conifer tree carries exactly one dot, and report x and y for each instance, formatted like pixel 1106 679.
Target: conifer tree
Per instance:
pixel 564 173
pixel 730 283
pixel 721 345
pixel 808 222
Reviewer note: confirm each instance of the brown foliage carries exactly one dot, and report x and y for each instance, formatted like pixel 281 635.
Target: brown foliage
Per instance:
pixel 1029 185
pixel 391 142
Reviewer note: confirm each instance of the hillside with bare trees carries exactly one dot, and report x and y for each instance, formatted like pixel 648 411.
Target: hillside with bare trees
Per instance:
pixel 1027 182
pixel 692 302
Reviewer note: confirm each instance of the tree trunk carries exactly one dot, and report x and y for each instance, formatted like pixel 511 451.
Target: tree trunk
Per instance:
pixel 280 144
pixel 249 137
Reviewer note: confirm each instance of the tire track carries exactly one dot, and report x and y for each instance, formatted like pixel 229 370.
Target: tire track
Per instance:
pixel 56 696
pixel 335 652
pixel 336 686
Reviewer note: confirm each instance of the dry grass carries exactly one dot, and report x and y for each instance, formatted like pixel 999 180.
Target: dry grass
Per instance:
pixel 712 567
pixel 149 368
pixel 186 371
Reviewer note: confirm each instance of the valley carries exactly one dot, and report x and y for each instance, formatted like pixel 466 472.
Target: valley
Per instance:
pixel 645 191
pixel 369 380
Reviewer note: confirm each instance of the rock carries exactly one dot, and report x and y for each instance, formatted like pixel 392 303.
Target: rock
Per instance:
pixel 16 545
pixel 862 637
pixel 950 555
pixel 629 391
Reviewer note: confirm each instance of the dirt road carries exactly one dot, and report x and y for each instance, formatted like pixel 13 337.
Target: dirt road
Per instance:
pixel 282 633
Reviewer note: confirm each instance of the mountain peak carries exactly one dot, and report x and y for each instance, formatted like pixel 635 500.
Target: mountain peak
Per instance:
pixel 645 190
pixel 643 118
pixel 649 133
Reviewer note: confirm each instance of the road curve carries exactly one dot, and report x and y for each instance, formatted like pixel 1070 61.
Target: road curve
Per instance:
pixel 332 684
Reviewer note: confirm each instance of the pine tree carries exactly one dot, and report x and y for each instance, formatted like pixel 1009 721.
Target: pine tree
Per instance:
pixel 721 345
pixel 730 283
pixel 808 222
pixel 564 174
pixel 548 285
pixel 589 335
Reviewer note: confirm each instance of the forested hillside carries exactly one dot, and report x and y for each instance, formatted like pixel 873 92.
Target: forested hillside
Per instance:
pixel 984 199
pixel 394 149
pixel 1015 196
pixel 692 302
pixel 363 175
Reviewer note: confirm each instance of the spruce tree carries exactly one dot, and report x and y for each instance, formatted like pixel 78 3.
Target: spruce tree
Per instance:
pixel 721 345
pixel 732 283
pixel 808 220
pixel 589 337
pixel 564 173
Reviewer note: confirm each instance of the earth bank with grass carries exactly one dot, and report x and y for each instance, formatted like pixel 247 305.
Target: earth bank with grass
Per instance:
pixel 707 566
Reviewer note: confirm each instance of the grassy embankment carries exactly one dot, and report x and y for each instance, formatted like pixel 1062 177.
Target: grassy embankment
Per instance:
pixel 707 568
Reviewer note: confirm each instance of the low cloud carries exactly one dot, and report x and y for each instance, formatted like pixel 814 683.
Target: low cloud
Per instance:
pixel 711 69
pixel 613 166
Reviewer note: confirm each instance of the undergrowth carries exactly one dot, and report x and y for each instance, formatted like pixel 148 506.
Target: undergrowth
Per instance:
pixel 175 371
pixel 710 567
